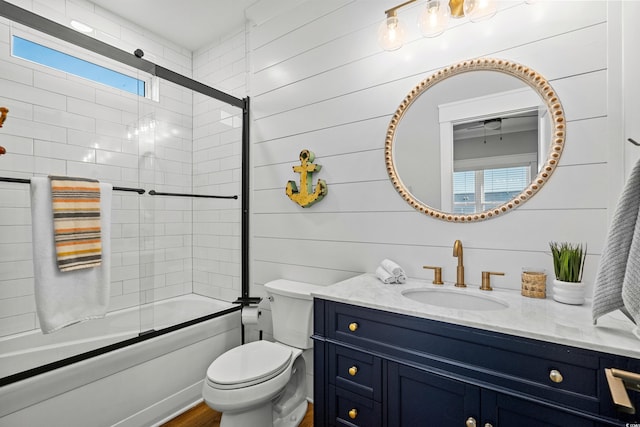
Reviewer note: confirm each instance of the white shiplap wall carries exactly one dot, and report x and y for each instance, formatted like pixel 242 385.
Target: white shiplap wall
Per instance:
pixel 319 81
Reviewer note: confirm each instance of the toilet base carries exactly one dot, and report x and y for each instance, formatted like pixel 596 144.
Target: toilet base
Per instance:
pixel 294 418
pixel 260 416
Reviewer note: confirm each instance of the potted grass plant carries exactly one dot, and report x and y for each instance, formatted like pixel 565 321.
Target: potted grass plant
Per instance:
pixel 568 266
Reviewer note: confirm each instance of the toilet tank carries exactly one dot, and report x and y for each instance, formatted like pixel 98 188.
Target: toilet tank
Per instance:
pixel 292 311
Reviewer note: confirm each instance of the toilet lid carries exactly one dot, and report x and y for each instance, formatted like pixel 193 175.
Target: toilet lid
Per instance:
pixel 248 364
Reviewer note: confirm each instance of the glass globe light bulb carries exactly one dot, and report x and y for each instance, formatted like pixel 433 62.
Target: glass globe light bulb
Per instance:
pixel 391 33
pixel 479 10
pixel 434 18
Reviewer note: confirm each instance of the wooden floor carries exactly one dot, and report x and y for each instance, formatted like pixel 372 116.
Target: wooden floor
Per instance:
pixel 203 416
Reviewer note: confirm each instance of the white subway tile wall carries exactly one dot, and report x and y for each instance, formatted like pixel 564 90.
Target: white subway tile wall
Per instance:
pixel 217 163
pixel 185 143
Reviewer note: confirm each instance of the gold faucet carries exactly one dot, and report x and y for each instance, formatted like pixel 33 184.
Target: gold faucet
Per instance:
pixel 486 279
pixel 437 274
pixel 457 252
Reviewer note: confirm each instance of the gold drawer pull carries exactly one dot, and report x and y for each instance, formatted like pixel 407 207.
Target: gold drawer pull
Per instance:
pixel 353 326
pixel 619 381
pixel 471 422
pixel 555 376
pixel 353 413
pixel 353 371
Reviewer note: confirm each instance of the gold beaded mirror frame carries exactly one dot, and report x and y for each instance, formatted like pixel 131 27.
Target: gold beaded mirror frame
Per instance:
pixel 527 75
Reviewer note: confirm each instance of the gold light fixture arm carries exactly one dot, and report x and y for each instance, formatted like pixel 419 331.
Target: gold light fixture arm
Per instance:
pixel 619 381
pixel 394 10
pixel 456 7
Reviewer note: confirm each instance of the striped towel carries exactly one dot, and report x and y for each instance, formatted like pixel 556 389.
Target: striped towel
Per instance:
pixel 76 222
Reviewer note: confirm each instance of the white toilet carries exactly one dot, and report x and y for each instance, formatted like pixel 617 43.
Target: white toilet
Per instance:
pixel 263 383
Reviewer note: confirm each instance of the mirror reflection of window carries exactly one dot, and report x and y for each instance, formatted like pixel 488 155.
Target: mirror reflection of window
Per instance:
pixel 494 160
pixel 479 190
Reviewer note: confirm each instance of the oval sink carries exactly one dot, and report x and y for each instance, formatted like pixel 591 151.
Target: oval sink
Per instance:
pixel 453 299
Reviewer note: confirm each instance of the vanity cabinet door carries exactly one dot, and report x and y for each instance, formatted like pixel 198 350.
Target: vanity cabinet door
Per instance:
pixel 505 411
pixel 419 398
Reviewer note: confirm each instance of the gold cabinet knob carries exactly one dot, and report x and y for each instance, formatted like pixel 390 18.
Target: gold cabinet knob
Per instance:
pixel 353 413
pixel 471 422
pixel 555 376
pixel 353 326
pixel 353 371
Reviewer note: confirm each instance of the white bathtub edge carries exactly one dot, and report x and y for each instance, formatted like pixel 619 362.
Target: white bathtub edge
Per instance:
pixel 36 389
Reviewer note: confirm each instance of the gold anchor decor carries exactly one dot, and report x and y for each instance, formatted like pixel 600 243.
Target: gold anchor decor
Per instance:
pixel 3 117
pixel 306 196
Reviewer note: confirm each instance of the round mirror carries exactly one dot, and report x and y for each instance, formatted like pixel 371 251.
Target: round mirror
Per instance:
pixel 475 140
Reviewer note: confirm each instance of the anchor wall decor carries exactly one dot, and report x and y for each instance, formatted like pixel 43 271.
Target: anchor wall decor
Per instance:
pixel 306 196
pixel 3 117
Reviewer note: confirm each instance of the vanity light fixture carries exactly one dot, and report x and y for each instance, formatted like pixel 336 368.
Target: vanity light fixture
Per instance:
pixel 433 19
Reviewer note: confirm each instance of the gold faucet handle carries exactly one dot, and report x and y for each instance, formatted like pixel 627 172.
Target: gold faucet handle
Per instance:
pixel 486 279
pixel 437 274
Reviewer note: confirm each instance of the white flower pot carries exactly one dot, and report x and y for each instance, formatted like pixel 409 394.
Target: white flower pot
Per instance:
pixel 568 292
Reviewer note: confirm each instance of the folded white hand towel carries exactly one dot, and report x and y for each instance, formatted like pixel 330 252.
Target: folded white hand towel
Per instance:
pixel 384 276
pixel 392 267
pixel 395 270
pixel 64 298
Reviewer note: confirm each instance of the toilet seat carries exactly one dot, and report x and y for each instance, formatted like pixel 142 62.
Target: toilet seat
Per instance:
pixel 248 364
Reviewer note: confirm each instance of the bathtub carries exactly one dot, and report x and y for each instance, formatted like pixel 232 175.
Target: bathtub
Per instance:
pixel 136 385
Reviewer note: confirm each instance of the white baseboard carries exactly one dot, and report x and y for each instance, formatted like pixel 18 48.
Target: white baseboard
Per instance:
pixel 179 412
pixel 167 409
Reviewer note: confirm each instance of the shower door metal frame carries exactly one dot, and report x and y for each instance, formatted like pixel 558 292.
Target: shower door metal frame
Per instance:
pixel 52 28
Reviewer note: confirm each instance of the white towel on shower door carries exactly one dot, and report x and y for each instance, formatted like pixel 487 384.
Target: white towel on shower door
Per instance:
pixel 65 298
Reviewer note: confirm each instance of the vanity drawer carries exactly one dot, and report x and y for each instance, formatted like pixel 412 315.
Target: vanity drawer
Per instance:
pixel 549 371
pixel 356 371
pixel 351 409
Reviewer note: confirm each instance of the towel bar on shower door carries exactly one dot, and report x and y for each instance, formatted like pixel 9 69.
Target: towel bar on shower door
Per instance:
pixel 28 181
pixel 158 193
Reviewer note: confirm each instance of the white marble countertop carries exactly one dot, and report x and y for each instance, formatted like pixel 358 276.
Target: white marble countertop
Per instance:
pixel 542 319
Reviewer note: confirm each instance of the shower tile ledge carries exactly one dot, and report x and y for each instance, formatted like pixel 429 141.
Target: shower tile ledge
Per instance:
pixel 541 319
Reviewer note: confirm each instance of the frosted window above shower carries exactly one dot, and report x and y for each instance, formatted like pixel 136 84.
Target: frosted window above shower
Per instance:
pixel 49 57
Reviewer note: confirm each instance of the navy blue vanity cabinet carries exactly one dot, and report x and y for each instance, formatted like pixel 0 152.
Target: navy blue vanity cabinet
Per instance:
pixel 417 397
pixel 377 368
